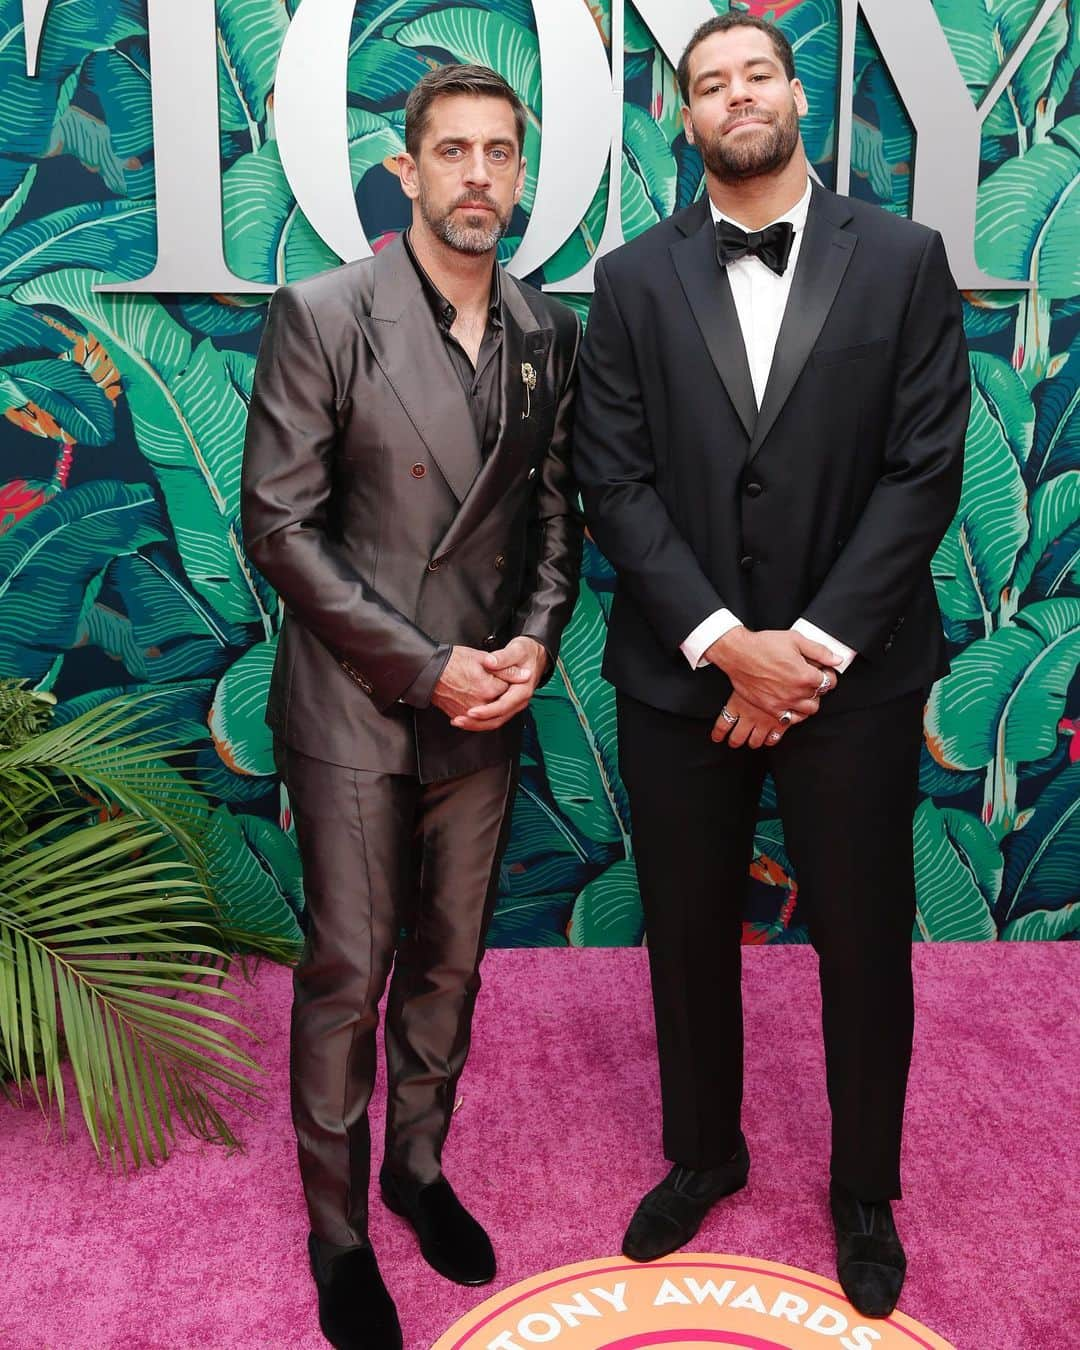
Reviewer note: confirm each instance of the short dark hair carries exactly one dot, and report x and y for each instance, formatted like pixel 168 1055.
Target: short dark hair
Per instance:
pixel 479 81
pixel 723 23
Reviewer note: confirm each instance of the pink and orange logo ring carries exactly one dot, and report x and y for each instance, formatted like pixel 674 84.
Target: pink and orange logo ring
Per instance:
pixel 685 1301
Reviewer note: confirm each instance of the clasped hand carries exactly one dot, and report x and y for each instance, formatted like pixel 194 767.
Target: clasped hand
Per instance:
pixel 480 691
pixel 773 672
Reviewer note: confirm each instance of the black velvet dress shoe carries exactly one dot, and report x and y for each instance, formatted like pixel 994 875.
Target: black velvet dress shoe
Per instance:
pixel 870 1260
pixel 451 1241
pixel 356 1311
pixel 672 1212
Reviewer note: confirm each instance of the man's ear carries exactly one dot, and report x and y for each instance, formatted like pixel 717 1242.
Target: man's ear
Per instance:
pixel 688 125
pixel 802 107
pixel 519 186
pixel 407 174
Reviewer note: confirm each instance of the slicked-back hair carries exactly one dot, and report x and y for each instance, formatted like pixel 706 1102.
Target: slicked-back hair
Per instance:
pixel 724 23
pixel 479 81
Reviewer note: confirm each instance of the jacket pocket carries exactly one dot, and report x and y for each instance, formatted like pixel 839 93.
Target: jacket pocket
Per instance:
pixel 835 356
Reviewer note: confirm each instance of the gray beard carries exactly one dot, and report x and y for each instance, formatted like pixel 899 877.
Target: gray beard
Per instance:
pixel 471 239
pixel 761 155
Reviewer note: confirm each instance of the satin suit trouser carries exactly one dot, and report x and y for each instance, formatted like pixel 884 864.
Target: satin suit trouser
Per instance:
pixel 846 786
pixel 396 873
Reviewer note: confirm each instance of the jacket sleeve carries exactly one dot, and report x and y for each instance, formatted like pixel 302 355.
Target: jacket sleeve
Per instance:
pixel 918 492
pixel 615 465
pixel 555 530
pixel 286 487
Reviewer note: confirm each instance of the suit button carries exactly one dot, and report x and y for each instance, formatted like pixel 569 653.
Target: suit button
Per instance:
pixel 532 474
pixel 754 489
pixel 500 561
pixel 433 565
pixel 746 562
pixel 418 471
pixel 490 640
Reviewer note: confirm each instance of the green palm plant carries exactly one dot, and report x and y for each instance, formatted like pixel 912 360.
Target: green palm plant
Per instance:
pixel 110 953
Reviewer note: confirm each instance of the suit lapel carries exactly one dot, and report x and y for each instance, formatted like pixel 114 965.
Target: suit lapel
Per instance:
pixel 823 259
pixel 407 345
pixel 708 294
pixel 525 342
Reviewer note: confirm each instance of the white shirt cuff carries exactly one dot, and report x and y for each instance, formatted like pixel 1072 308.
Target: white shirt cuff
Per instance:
pixel 844 655
pixel 718 623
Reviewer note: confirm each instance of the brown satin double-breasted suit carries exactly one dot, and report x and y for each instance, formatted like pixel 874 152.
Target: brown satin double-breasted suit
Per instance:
pixel 369 504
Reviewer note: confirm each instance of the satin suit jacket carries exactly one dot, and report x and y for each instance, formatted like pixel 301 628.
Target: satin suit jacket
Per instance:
pixel 828 503
pixel 365 503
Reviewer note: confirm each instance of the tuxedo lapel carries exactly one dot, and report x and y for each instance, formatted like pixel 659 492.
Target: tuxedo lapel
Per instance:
pixel 708 294
pixel 406 343
pixel 823 259
pixel 525 344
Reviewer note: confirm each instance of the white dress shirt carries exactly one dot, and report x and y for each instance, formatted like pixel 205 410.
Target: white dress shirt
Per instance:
pixel 760 301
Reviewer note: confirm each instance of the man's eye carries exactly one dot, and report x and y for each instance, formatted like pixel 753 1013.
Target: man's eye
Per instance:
pixel 498 154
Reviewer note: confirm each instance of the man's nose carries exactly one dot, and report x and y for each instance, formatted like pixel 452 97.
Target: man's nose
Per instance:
pixel 739 92
pixel 477 171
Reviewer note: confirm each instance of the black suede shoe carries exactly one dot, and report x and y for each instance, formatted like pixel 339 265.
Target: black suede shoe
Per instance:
pixel 451 1240
pixel 672 1212
pixel 870 1260
pixel 356 1311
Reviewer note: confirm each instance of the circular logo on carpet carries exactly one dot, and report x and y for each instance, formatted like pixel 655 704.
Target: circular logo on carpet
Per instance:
pixel 687 1302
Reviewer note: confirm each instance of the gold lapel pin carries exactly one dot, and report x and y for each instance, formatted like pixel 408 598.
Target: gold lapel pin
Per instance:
pixel 528 379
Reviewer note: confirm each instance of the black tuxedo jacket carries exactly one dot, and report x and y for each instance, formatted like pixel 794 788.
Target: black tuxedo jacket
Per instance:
pixel 366 504
pixel 827 504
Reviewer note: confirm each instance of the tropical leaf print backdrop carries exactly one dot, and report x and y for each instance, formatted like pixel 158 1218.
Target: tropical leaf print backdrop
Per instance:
pixel 121 559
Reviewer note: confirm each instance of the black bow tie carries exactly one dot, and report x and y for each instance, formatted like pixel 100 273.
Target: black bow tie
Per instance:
pixel 772 245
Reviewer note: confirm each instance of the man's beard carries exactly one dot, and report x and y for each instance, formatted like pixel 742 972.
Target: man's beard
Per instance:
pixel 465 238
pixel 752 154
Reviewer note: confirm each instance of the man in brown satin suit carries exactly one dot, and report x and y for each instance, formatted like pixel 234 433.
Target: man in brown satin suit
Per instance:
pixel 407 491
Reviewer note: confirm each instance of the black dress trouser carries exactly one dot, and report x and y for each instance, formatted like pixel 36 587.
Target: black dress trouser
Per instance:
pixel 846 786
pixel 402 873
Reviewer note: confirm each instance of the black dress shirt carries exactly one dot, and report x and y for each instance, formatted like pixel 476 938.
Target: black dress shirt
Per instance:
pixel 480 384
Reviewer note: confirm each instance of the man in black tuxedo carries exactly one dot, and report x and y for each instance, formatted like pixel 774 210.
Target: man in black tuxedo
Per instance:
pixel 769 441
pixel 407 491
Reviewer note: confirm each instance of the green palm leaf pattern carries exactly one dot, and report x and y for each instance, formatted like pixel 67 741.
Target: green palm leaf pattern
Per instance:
pixel 250 34
pixel 1029 215
pixel 958 870
pixel 189 408
pixel 119 80
pixel 254 873
pixel 143 404
pixel 269 238
pixel 813 30
pixel 50 559
pixel 607 911
pixel 1042 859
pixel 975 560
pixel 1006 693
pixel 119 237
pixel 240 734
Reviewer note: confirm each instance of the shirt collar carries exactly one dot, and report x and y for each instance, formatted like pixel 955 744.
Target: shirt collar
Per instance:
pixel 797 214
pixel 441 308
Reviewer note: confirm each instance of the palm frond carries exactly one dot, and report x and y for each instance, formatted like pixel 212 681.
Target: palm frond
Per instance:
pixel 110 948
pixel 102 964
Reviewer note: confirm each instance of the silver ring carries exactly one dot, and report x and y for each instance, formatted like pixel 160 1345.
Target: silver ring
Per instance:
pixel 785 717
pixel 729 717
pixel 773 737
pixel 825 685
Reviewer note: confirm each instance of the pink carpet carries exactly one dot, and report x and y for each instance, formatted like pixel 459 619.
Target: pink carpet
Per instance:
pixel 556 1139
